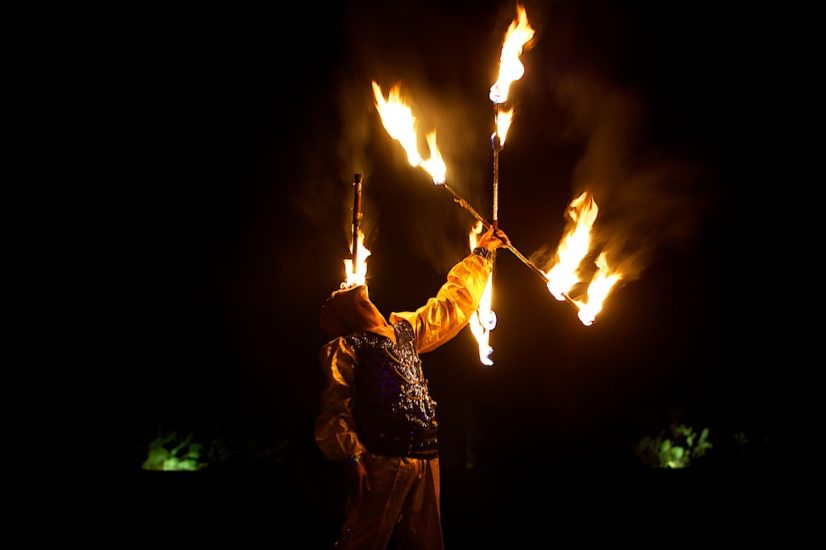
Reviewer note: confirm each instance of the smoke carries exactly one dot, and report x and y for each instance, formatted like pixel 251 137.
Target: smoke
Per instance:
pixel 648 197
pixel 624 100
pixel 354 133
pixel 334 151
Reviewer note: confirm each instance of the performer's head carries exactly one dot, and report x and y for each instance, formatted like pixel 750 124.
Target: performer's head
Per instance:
pixel 349 310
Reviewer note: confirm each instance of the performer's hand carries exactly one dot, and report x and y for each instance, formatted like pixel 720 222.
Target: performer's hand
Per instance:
pixel 492 240
pixel 357 480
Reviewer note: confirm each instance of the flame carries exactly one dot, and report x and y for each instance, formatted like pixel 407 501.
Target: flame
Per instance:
pixel 435 165
pixel 398 120
pixel 598 290
pixel 510 68
pixel 503 123
pixel 574 246
pixel 572 250
pixel 482 322
pixel 483 319
pixel 356 276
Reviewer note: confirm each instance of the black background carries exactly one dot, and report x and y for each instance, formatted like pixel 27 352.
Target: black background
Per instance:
pixel 225 147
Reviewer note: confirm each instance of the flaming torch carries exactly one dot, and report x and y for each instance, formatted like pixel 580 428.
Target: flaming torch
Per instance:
pixel 356 266
pixel 517 37
pixel 510 68
pixel 356 218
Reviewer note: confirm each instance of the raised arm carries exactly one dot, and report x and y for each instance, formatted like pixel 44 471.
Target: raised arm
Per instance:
pixel 444 315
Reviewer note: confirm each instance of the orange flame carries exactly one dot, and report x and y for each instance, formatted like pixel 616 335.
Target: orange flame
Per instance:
pixel 435 165
pixel 573 247
pixel 398 120
pixel 356 276
pixel 598 290
pixel 503 123
pixel 510 68
pixel 483 319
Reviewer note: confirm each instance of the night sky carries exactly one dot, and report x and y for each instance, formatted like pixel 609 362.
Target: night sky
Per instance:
pixel 231 144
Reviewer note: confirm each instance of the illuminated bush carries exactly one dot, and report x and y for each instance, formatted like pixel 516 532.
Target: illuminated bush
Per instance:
pixel 677 451
pixel 168 453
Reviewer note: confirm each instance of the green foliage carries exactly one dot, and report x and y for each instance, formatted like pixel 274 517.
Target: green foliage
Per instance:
pixel 677 451
pixel 224 450
pixel 169 453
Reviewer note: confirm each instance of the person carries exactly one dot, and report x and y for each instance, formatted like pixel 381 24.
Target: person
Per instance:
pixel 377 415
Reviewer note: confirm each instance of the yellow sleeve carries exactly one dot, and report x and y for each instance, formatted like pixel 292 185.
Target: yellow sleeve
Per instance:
pixel 443 316
pixel 335 431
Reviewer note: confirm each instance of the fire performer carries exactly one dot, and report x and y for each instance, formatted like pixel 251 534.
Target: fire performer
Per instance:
pixel 377 415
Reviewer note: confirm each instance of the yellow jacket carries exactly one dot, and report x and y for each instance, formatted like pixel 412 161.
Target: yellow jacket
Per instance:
pixel 436 322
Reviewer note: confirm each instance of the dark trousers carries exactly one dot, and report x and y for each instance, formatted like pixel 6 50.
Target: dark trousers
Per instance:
pixel 404 494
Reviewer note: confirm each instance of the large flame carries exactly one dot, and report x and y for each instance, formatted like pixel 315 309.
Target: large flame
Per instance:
pixel 510 68
pixel 573 247
pixel 598 290
pixel 356 276
pixel 398 120
pixel 483 319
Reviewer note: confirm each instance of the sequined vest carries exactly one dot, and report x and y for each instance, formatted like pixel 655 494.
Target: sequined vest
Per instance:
pixel 392 408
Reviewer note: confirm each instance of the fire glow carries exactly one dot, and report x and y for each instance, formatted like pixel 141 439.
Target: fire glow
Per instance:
pixel 518 35
pixel 483 319
pixel 397 118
